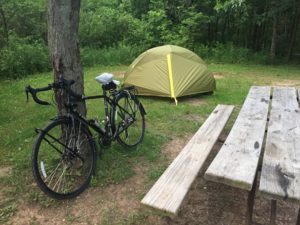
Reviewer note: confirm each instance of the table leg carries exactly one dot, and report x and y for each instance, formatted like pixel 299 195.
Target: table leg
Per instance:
pixel 298 218
pixel 273 212
pixel 250 204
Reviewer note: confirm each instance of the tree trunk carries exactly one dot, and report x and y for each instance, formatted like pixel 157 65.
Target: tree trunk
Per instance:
pixel 292 36
pixel 274 37
pixel 265 27
pixel 224 28
pixel 216 36
pixel 4 25
pixel 63 24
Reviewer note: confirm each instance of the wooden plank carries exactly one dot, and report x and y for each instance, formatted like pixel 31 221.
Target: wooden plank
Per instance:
pixel 237 160
pixel 170 189
pixel 280 177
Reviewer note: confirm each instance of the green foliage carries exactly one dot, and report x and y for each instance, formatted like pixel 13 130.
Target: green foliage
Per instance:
pixel 122 54
pixel 193 27
pixel 104 28
pixel 114 32
pixel 157 27
pixel 23 56
pixel 163 123
pixel 139 7
pixel 230 54
pixel 25 18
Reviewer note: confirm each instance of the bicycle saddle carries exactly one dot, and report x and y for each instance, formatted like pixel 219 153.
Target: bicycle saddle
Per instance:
pixel 106 78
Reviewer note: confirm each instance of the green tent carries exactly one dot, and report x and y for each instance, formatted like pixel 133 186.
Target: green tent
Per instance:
pixel 169 71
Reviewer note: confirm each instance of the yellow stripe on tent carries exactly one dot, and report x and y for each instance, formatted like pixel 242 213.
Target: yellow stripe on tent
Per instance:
pixel 171 77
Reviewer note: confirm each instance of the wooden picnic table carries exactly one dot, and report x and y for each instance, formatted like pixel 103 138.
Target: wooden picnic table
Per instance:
pixel 270 116
pixel 266 130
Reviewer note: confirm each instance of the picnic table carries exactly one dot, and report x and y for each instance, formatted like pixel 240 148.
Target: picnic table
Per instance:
pixel 266 130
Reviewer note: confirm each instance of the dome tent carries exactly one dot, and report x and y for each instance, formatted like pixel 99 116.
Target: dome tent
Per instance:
pixel 169 71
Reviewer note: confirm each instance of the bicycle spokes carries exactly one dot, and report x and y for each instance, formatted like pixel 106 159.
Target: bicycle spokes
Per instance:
pixel 64 157
pixel 129 122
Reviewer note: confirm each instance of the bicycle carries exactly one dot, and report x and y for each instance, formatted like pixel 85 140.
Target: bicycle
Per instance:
pixel 64 153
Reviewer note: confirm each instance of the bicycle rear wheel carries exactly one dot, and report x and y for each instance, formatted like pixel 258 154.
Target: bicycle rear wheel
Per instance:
pixel 128 120
pixel 63 158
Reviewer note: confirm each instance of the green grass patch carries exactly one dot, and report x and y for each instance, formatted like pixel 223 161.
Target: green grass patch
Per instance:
pixel 164 121
pixel 7 209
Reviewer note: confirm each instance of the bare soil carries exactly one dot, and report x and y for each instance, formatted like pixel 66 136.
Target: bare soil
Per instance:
pixel 5 171
pixel 286 83
pixel 95 206
pixel 173 148
pixel 218 75
pixel 207 203
pixel 194 100
pixel 210 203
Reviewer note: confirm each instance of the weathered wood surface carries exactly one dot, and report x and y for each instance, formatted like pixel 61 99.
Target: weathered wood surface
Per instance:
pixel 237 161
pixel 170 189
pixel 280 177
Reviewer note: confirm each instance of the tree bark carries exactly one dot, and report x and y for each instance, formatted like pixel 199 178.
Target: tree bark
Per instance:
pixel 4 24
pixel 265 27
pixel 274 37
pixel 224 28
pixel 63 24
pixel 216 36
pixel 292 36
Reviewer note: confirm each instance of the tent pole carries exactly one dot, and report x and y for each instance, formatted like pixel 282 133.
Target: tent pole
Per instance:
pixel 171 77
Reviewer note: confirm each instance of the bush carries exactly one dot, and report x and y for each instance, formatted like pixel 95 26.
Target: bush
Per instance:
pixel 203 51
pixel 230 54
pixel 21 57
pixel 125 54
pixel 109 56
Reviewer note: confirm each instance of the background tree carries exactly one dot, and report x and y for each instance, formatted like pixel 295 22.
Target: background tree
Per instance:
pixel 274 30
pixel 63 26
pixel 293 27
pixel 116 31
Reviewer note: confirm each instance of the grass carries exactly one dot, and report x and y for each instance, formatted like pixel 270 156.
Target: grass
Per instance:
pixel 164 121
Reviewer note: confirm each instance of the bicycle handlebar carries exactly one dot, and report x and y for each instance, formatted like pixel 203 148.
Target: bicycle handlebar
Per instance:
pixel 61 84
pixel 34 91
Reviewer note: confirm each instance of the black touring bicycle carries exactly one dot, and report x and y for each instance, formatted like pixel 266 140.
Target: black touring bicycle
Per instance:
pixel 64 153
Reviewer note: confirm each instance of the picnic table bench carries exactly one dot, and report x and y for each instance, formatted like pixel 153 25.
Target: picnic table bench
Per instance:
pixel 269 122
pixel 170 189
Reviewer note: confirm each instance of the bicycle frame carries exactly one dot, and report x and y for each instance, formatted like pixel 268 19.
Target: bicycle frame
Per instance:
pixel 110 131
pixel 107 130
pixel 65 151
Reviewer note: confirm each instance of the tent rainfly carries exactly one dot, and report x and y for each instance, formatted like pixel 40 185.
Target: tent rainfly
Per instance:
pixel 169 71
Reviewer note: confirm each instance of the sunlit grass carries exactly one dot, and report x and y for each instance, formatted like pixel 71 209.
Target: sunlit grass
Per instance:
pixel 164 121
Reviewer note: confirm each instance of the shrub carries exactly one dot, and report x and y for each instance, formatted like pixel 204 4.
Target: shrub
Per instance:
pixel 229 53
pixel 203 51
pixel 109 56
pixel 22 57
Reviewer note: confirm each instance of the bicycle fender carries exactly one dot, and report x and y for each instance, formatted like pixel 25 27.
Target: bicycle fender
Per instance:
pixel 143 111
pixel 125 92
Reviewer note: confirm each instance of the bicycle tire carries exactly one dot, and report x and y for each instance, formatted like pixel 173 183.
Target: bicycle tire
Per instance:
pixel 132 123
pixel 63 158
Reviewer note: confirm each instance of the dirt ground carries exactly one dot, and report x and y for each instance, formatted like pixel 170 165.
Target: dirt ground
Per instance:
pixel 207 203
pixel 210 203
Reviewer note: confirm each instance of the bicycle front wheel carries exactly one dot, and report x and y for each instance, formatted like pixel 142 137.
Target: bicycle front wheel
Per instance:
pixel 128 120
pixel 63 158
